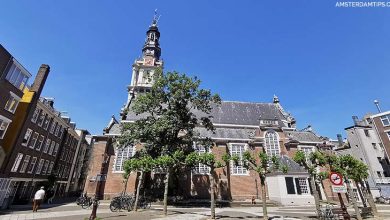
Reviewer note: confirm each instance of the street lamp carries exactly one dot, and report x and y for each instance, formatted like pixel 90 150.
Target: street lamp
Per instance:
pixel 100 177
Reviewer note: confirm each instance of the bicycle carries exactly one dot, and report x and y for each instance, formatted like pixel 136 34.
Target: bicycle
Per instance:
pixel 121 202
pixel 84 201
pixel 144 203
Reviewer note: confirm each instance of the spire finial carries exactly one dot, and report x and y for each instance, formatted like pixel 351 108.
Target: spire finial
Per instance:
pixel 156 17
pixel 276 99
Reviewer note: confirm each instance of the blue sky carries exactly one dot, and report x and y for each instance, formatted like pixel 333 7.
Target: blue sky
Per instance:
pixel 325 63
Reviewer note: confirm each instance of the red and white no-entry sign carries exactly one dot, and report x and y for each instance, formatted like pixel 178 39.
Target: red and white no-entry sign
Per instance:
pixel 336 178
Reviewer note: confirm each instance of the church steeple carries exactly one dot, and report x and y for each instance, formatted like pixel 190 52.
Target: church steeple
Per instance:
pixel 144 68
pixel 152 46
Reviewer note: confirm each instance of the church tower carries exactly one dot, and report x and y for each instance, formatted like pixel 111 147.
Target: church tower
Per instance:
pixel 144 68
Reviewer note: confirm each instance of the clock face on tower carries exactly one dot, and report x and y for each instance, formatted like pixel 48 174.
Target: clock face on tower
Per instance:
pixel 148 61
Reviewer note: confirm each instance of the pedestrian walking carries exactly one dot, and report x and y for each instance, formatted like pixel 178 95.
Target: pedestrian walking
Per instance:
pixel 38 199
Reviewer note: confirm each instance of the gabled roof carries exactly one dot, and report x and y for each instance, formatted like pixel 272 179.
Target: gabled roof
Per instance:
pixel 303 136
pixel 236 113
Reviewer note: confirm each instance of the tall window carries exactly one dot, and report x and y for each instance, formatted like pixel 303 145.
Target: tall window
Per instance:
pixel 388 134
pixel 35 115
pixel 237 150
pixel 56 150
pixel 121 155
pixel 40 142
pixel 41 118
pixel 200 168
pixel 12 103
pixel 18 159
pixel 302 185
pixel 26 137
pixel 57 129
pixel 47 122
pixel 25 164
pixel 53 144
pixel 45 166
pixel 385 120
pixel 40 165
pixel 17 77
pixel 4 122
pixel 33 140
pixel 272 144
pixel 32 165
pixel 53 127
pixel 50 168
pixel 47 145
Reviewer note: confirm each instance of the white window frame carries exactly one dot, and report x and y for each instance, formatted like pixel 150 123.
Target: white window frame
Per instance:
pixel 25 163
pixel 57 129
pixel 12 102
pixel 271 142
pixel 18 159
pixel 53 126
pixel 4 124
pixel 41 140
pixel 47 145
pixel 32 165
pixel 303 185
pixel 121 155
pixel 40 165
pixel 56 149
pixel 36 114
pixel 52 146
pixel 385 118
pixel 17 75
pixel 28 133
pixel 42 118
pixel 200 169
pixel 47 122
pixel 45 167
pixel 50 169
pixel 240 169
pixel 30 145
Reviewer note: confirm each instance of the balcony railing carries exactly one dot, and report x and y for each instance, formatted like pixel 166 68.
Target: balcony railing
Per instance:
pixel 382 180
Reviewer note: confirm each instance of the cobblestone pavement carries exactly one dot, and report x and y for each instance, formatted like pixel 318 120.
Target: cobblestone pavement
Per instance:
pixel 71 211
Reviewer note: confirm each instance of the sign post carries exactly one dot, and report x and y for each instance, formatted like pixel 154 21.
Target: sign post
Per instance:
pixel 338 187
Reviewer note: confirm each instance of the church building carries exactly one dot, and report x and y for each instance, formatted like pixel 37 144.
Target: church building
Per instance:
pixel 240 126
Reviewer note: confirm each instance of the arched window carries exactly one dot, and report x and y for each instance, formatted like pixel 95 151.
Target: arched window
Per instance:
pixel 272 143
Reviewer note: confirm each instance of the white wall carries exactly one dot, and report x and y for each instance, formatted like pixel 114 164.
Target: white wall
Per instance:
pixel 278 192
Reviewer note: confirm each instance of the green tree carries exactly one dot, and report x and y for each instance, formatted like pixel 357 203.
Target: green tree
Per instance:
pixel 312 163
pixel 167 116
pixel 208 159
pixel 263 165
pixel 142 164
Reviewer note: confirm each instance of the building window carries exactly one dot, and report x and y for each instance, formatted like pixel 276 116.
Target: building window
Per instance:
pixel 57 130
pixel 12 103
pixel 25 164
pixel 33 140
pixel 32 165
pixel 40 142
pixel 385 120
pixel 47 122
pixel 272 144
pixel 26 137
pixel 18 159
pixel 200 168
pixel 290 185
pixel 302 186
pixel 45 166
pixel 237 150
pixel 379 173
pixel 367 132
pixel 4 123
pixel 40 165
pixel 56 150
pixel 61 132
pixel 53 144
pixel 53 127
pixel 388 134
pixel 35 115
pixel 41 118
pixel 17 77
pixel 50 168
pixel 374 145
pixel 121 155
pixel 47 145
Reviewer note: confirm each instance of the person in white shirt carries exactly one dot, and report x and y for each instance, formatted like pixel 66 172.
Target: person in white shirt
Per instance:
pixel 38 198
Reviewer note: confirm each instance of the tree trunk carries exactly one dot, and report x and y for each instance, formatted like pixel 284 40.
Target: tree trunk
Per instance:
pixel 166 184
pixel 126 181
pixel 352 195
pixel 315 195
pixel 361 195
pixel 370 200
pixel 212 196
pixel 138 189
pixel 264 197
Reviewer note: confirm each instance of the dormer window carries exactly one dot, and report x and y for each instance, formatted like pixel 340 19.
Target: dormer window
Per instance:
pixel 269 122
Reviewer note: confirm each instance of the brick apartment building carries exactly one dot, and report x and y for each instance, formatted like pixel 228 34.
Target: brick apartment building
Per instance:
pixel 42 145
pixel 13 79
pixel 240 126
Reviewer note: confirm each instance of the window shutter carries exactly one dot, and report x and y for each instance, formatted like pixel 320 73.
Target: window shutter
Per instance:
pixel 290 185
pixel 297 186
